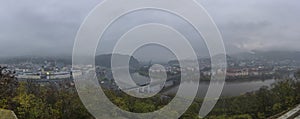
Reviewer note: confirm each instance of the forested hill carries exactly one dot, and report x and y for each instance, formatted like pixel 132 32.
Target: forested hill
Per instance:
pixel 101 60
pixel 105 60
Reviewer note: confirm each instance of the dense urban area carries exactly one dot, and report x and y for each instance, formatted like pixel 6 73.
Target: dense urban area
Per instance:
pixel 43 88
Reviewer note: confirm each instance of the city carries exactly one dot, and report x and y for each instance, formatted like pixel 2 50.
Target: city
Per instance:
pixel 60 73
pixel 149 59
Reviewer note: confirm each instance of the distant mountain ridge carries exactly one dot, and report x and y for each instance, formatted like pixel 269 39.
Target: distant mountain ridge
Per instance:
pixel 35 59
pixel 101 60
pixel 176 62
pixel 269 55
pixel 261 55
pixel 105 60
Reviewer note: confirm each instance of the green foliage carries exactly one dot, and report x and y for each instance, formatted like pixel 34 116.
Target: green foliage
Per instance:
pixel 262 103
pixel 33 106
pixel 297 74
pixel 242 116
pixel 31 101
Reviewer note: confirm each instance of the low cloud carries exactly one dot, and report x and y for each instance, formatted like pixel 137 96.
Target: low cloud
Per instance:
pixel 33 27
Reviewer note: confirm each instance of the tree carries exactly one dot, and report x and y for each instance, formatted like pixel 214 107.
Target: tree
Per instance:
pixel 8 83
pixel 297 74
pixel 8 87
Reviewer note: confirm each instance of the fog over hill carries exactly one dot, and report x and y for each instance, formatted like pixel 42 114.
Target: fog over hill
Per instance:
pixel 105 60
pixel 269 55
pixel 101 60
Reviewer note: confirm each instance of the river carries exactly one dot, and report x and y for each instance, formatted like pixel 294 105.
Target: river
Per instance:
pixel 231 88
pixel 235 88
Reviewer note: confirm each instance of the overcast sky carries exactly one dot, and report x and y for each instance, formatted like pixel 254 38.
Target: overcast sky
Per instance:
pixel 48 27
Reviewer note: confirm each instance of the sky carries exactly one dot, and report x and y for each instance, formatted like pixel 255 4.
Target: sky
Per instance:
pixel 49 27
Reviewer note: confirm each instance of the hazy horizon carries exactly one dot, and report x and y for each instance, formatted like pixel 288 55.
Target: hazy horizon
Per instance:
pixel 48 28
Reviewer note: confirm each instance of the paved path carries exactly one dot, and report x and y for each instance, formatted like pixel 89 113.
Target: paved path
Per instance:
pixel 291 113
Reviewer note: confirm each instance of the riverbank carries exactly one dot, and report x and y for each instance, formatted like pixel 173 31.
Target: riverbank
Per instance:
pixel 230 88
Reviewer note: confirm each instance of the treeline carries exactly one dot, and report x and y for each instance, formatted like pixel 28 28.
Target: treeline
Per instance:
pixel 33 101
pixel 261 104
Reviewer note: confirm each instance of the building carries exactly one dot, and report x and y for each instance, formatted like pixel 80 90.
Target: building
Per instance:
pixel 237 72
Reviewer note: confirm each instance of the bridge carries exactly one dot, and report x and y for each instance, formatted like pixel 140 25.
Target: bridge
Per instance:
pixel 146 87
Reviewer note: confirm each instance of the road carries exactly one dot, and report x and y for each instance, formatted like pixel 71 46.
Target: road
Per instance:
pixel 292 113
